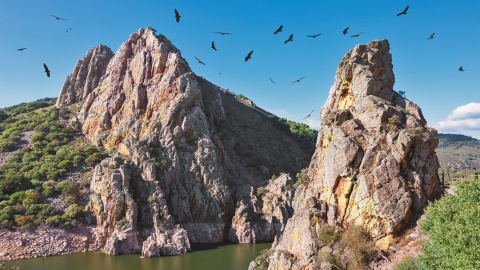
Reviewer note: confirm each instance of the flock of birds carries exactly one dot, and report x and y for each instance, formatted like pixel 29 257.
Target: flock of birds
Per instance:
pixel 249 55
pixel 290 39
pixel 45 67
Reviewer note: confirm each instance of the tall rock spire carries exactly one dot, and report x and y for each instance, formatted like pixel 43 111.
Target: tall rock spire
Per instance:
pixel 374 165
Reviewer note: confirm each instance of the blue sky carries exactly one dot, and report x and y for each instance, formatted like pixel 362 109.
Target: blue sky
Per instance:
pixel 427 70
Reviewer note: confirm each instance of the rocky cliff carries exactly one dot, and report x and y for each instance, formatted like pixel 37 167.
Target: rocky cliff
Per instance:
pixel 374 164
pixel 187 156
pixel 85 76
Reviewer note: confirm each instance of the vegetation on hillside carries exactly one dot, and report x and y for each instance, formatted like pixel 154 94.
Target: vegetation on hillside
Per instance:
pixel 301 130
pixel 453 227
pixel 25 107
pixel 32 175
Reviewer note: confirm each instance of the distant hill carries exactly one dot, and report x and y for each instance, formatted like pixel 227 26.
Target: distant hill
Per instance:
pixel 458 152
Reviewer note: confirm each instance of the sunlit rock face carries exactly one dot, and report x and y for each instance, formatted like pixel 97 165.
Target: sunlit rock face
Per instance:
pixel 374 165
pixel 185 155
pixel 85 76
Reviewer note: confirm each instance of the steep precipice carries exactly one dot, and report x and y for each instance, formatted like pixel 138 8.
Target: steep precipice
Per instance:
pixel 186 155
pixel 374 165
pixel 85 76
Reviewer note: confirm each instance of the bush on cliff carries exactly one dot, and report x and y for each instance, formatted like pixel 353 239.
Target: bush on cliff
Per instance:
pixel 453 227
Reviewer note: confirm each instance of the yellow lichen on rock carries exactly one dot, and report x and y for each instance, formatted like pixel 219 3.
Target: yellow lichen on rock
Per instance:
pixel 384 242
pixel 342 192
pixel 347 98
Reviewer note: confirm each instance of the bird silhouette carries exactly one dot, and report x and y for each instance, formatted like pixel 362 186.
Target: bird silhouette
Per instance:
pixel 223 33
pixel 297 81
pixel 357 35
pixel 249 55
pixel 313 36
pixel 308 115
pixel 290 38
pixel 58 18
pixel 70 29
pixel 279 29
pixel 177 16
pixel 200 61
pixel 21 49
pixel 404 12
pixel 213 46
pixel 345 31
pixel 431 36
pixel 46 70
pixel 271 80
pixel 461 69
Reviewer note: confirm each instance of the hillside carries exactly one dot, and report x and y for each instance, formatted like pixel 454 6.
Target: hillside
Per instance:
pixel 458 152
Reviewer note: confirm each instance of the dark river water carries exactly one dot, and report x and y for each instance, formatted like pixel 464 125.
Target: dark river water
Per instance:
pixel 211 257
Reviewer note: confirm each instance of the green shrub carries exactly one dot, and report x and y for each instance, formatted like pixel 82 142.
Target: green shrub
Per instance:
pixel 54 221
pixel 329 235
pixel 74 212
pixel 453 227
pixel 27 222
pixel 358 247
pixel 408 263
pixel 31 197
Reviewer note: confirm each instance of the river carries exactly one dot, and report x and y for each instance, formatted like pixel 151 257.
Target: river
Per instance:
pixel 211 257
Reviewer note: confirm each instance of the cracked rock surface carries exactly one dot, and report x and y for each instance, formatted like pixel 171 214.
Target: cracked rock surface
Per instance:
pixel 374 165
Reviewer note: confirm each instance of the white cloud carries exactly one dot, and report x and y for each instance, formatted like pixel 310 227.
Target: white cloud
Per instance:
pixel 312 123
pixel 464 119
pixel 469 111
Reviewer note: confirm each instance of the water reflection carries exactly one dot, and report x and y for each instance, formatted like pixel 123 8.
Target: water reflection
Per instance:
pixel 204 257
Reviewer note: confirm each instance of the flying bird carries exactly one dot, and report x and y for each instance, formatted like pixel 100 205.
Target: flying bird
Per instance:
pixel 313 36
pixel 213 46
pixel 21 49
pixel 308 115
pixel 58 18
pixel 200 61
pixel 461 69
pixel 431 36
pixel 70 29
pixel 357 35
pixel 279 29
pixel 249 55
pixel 46 70
pixel 271 80
pixel 404 12
pixel 345 31
pixel 177 16
pixel 223 33
pixel 290 38
pixel 297 81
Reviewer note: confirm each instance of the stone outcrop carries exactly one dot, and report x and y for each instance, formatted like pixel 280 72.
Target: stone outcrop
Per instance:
pixel 85 76
pixel 263 214
pixel 374 164
pixel 185 152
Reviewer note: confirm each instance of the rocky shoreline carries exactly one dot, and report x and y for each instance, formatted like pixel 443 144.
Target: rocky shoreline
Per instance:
pixel 46 241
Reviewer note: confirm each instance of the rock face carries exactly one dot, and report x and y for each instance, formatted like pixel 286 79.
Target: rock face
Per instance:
pixel 374 164
pixel 85 77
pixel 185 153
pixel 263 214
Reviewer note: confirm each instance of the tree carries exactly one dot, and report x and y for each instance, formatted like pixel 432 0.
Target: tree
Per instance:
pixel 453 227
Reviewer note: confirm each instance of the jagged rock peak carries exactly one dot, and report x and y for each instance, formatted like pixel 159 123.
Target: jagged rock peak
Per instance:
pixel 184 162
pixel 374 166
pixel 365 70
pixel 85 77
